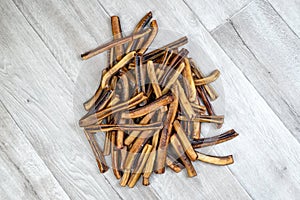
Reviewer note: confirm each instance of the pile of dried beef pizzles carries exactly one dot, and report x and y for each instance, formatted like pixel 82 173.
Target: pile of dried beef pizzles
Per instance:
pixel 150 106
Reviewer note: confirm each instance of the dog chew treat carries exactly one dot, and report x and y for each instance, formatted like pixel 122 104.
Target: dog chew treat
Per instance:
pixel 215 160
pixel 151 106
pixel 214 75
pixel 185 160
pixel 117 34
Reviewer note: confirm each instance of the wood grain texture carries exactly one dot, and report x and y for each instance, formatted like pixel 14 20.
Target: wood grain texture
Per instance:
pixel 289 11
pixel 23 173
pixel 267 51
pixel 215 13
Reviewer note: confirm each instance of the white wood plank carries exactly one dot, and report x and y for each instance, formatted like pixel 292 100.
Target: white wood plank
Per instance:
pixel 289 10
pixel 214 13
pixel 68 28
pixel 267 155
pixel 267 52
pixel 37 93
pixel 23 175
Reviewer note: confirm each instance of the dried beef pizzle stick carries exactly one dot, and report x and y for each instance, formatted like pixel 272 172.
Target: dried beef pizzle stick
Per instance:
pixel 114 156
pixel 142 23
pixel 107 144
pixel 123 127
pixel 211 78
pixel 204 118
pixel 184 102
pixel 139 112
pixel 174 164
pixel 188 149
pixel 97 152
pixel 125 95
pixel 139 75
pixel 117 34
pixel 166 133
pixel 215 160
pixel 173 78
pixel 115 69
pixel 151 37
pixel 202 94
pixel 205 142
pixel 209 89
pixel 114 43
pixel 160 51
pixel 190 84
pixel 180 153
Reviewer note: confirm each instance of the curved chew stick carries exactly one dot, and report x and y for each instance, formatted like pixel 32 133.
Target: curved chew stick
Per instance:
pixel 114 43
pixel 215 160
pixel 139 112
pixel 151 37
pixel 205 142
pixel 115 69
pixel 142 23
pixel 211 78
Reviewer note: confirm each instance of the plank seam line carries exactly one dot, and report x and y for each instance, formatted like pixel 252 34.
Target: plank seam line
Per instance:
pixel 17 167
pixel 44 42
pixel 282 19
pixel 252 53
pixel 236 66
pixel 232 15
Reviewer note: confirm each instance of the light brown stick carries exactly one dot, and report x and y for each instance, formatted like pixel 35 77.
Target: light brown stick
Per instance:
pixel 188 149
pixel 115 156
pixel 106 77
pixel 215 160
pixel 117 34
pixel 211 78
pixel 180 153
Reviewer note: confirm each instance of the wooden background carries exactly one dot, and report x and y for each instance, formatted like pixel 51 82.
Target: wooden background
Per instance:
pixel 254 43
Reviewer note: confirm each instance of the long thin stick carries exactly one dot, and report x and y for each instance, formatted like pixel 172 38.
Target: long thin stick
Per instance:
pixel 114 43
